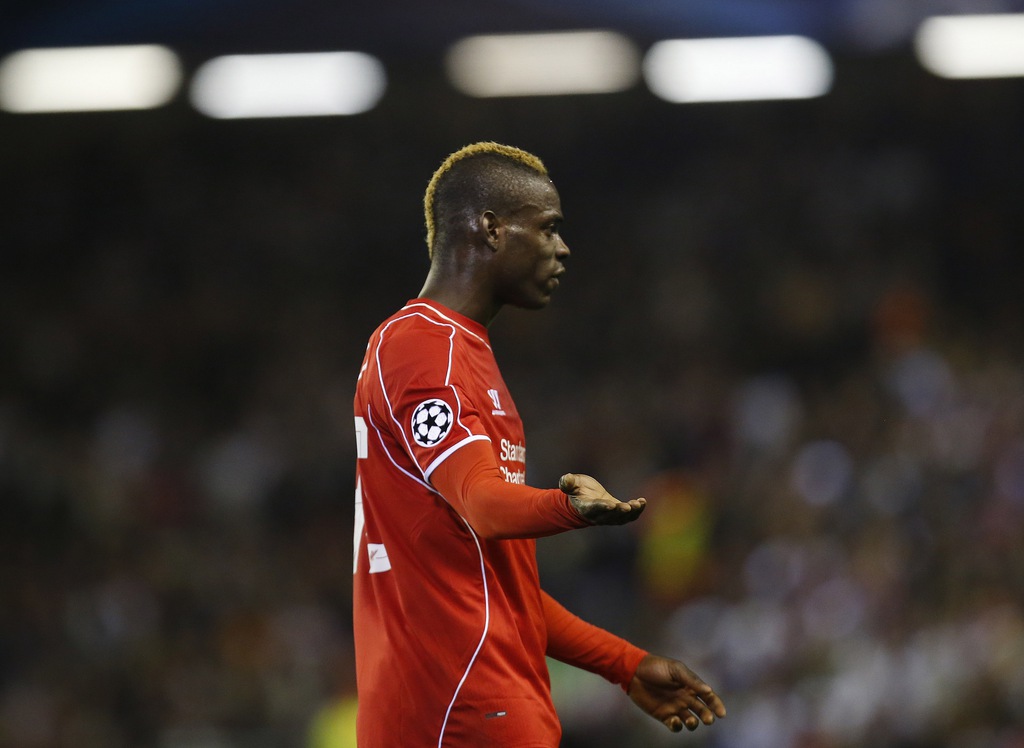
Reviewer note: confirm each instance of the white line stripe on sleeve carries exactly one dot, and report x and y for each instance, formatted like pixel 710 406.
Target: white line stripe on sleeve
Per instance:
pixel 448 452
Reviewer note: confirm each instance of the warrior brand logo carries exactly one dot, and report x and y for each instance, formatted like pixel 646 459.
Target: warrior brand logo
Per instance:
pixel 431 422
pixel 497 403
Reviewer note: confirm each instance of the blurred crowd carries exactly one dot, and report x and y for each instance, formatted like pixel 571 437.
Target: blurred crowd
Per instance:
pixel 794 327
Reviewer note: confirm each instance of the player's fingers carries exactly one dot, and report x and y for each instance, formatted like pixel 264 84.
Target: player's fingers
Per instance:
pixel 714 703
pixel 633 508
pixel 706 715
pixel 702 698
pixel 621 513
pixel 696 696
pixel 677 721
pixel 706 707
pixel 567 483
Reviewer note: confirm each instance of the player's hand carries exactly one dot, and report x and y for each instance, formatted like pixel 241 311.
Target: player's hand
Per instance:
pixel 673 694
pixel 589 498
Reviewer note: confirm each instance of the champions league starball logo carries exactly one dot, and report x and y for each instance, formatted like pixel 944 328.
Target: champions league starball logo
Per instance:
pixel 431 422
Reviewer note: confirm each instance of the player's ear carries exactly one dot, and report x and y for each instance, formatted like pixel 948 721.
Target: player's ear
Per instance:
pixel 490 225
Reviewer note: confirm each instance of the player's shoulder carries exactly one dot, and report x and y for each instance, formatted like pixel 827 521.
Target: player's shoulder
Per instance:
pixel 413 326
pixel 420 323
pixel 411 341
pixel 411 346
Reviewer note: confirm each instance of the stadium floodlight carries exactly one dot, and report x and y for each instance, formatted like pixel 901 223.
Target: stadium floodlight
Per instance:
pixel 976 46
pixel 304 84
pixel 543 64
pixel 79 79
pixel 737 69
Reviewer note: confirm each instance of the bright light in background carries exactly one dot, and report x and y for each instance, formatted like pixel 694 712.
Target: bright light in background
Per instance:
pixel 78 79
pixel 546 64
pixel 738 69
pixel 987 46
pixel 288 85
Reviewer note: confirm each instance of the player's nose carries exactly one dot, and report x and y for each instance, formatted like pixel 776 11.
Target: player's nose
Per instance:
pixel 562 250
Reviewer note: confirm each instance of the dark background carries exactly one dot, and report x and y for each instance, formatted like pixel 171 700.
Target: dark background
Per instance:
pixel 795 326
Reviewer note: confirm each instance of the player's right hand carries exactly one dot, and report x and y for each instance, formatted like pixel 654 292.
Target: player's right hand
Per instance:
pixel 595 504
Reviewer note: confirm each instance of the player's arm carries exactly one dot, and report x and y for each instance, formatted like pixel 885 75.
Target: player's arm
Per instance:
pixel 664 688
pixel 574 641
pixel 469 479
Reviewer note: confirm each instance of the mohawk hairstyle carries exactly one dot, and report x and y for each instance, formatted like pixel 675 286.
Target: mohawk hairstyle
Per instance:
pixel 457 186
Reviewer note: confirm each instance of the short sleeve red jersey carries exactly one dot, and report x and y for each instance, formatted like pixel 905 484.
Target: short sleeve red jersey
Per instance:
pixel 449 626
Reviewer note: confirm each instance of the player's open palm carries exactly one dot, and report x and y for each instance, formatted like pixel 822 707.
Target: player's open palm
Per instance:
pixel 594 503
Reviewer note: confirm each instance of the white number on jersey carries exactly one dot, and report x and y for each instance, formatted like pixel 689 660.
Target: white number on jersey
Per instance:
pixel 357 530
pixel 376 551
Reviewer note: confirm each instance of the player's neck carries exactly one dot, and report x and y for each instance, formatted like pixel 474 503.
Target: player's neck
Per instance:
pixel 461 278
pixel 475 306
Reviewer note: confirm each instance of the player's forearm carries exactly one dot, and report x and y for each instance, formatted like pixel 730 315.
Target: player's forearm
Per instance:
pixel 471 482
pixel 498 510
pixel 576 642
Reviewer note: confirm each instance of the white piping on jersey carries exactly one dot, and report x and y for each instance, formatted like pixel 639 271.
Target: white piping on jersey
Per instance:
pixel 448 452
pixel 380 438
pixel 479 552
pixel 433 465
pixel 447 376
pixel 483 636
pixel 447 318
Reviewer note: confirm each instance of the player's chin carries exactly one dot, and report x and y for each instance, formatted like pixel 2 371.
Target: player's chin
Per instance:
pixel 535 301
pixel 546 291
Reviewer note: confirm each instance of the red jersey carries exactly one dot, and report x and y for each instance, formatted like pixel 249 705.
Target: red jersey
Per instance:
pixel 449 626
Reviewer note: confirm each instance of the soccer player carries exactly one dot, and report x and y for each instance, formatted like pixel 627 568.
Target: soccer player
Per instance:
pixel 451 625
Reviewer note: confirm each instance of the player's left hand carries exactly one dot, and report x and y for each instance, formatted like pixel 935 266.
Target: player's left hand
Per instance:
pixel 673 694
pixel 594 503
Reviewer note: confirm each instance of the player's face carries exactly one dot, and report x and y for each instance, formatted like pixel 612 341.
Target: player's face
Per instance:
pixel 532 250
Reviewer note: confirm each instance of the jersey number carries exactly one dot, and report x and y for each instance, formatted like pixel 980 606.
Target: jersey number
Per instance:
pixel 376 552
pixel 357 531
